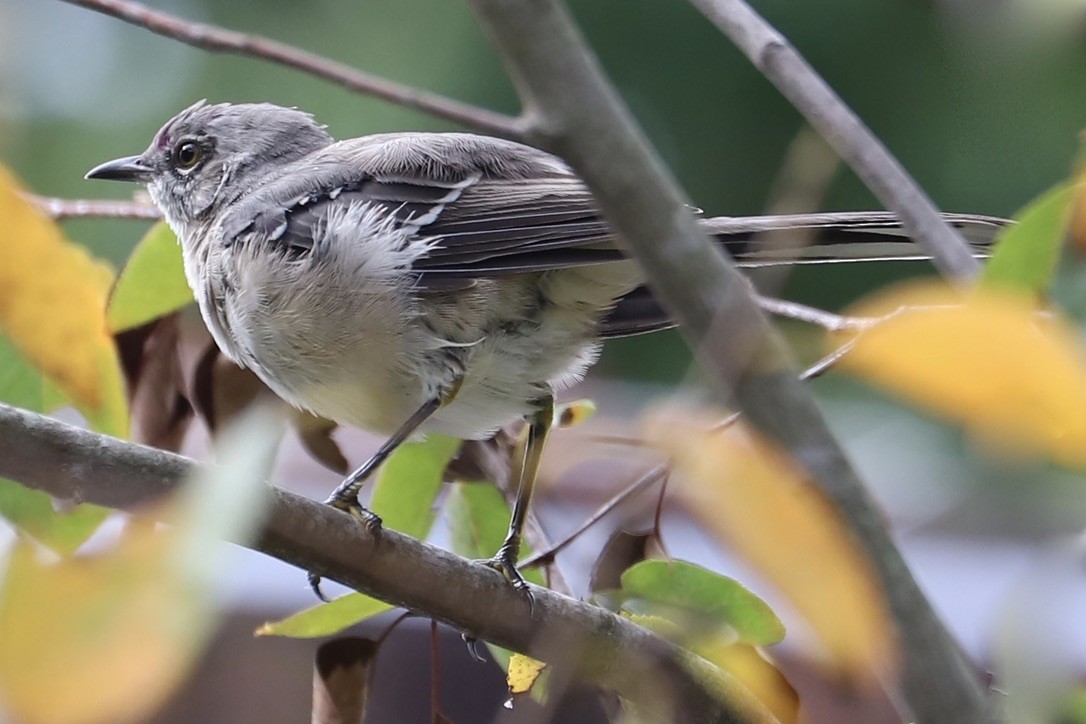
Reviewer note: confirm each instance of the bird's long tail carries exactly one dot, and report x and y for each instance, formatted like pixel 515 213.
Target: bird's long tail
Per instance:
pixel 802 239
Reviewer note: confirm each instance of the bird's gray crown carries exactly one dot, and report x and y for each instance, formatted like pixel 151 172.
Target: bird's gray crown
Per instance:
pixel 209 154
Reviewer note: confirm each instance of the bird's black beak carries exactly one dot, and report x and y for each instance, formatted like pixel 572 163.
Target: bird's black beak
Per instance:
pixel 130 168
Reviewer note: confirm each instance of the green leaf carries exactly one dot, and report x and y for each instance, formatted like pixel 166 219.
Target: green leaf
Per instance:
pixel 32 512
pixel 152 283
pixel 408 483
pixel 479 520
pixel 1026 253
pixel 707 595
pixel 326 619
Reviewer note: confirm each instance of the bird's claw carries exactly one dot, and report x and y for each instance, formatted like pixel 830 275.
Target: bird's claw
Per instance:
pixel 505 563
pixel 366 517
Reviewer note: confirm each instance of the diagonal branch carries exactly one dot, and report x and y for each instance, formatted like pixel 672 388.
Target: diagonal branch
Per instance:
pixel 778 61
pixel 75 464
pixel 577 114
pixel 219 40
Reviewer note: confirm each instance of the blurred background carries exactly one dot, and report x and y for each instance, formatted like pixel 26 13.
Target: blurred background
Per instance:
pixel 982 102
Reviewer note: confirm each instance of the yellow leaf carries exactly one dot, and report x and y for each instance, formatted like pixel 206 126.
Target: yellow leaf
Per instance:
pixel 523 672
pixel 89 640
pixel 52 308
pixel 985 359
pixel 746 492
pixel 757 673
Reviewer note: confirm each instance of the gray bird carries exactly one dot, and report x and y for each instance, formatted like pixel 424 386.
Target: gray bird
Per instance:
pixel 415 282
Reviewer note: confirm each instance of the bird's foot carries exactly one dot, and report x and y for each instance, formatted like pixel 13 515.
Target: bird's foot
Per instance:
pixel 351 506
pixel 505 562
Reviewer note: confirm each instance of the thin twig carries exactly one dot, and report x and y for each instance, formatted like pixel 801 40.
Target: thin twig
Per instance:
pixel 775 57
pixel 812 315
pixel 220 40
pixel 544 557
pixel 61 209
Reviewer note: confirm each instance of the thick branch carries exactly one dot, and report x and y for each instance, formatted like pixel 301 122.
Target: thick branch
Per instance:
pixel 775 57
pixel 577 114
pixel 220 40
pixel 75 464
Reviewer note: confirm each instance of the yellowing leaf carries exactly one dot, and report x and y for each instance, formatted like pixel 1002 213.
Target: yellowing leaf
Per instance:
pixel 573 413
pixel 94 640
pixel 52 308
pixel 754 697
pixel 106 639
pixel 152 283
pixel 986 360
pixel 523 672
pixel 746 492
pixel 757 673
pixel 326 619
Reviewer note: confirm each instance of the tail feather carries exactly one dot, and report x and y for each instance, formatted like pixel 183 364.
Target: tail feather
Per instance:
pixel 825 238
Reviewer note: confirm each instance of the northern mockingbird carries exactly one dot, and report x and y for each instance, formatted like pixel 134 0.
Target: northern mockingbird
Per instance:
pixel 415 282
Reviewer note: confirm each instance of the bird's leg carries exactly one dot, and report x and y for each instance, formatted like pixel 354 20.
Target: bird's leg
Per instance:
pixel 526 466
pixel 345 497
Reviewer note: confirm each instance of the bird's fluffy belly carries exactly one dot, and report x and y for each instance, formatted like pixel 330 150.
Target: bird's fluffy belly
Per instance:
pixel 373 359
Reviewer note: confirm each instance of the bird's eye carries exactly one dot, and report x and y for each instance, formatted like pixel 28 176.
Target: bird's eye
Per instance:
pixel 186 155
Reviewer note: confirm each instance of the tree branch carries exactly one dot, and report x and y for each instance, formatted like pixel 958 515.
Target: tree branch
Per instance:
pixel 577 114
pixel 219 40
pixel 775 57
pixel 61 209
pixel 75 464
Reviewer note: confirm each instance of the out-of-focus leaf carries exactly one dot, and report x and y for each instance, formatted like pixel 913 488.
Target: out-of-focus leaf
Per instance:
pixel 756 696
pixel 106 639
pixel 326 619
pixel 987 360
pixel 316 435
pixel 221 389
pixel 479 519
pixel 571 414
pixel 702 593
pixel 152 283
pixel 408 483
pixel 621 551
pixel 32 510
pixel 748 493
pixel 1026 254
pixel 342 679
pixel 52 309
pixel 523 673
pixel 757 673
pixel 159 408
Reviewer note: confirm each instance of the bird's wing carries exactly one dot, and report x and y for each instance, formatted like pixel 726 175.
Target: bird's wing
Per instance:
pixel 494 207
pixel 491 207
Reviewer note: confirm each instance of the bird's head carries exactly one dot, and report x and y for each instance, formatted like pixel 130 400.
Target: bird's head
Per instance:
pixel 208 155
